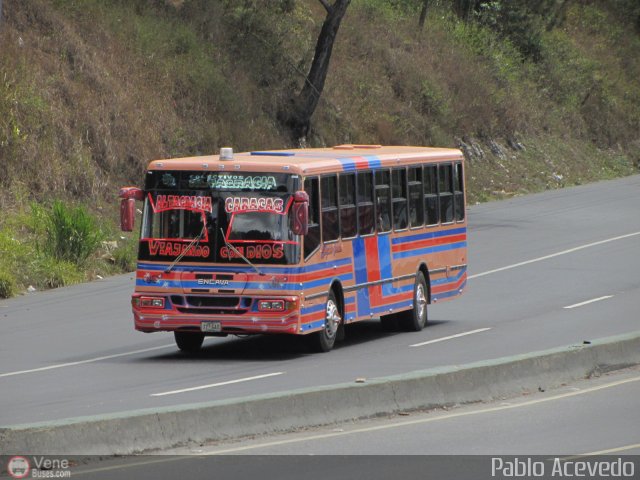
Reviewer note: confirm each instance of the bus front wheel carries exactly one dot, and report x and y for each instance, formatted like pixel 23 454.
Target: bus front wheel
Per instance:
pixel 415 319
pixel 189 342
pixel 324 340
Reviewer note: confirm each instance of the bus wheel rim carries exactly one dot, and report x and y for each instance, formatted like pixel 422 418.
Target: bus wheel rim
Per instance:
pixel 421 301
pixel 332 320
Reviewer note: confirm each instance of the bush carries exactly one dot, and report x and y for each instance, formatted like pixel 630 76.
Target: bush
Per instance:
pixel 72 234
pixel 52 273
pixel 126 255
pixel 8 286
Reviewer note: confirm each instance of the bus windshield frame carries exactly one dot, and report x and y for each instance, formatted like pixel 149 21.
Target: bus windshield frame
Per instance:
pixel 187 213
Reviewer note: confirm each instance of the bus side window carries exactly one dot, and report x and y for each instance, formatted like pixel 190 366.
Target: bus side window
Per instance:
pixel 312 239
pixel 383 201
pixel 416 205
pixel 445 187
pixel 366 214
pixel 399 190
pixel 348 221
pixel 458 185
pixel 431 206
pixel 330 219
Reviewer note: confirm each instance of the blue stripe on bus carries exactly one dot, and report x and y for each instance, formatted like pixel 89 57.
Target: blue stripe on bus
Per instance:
pixel 429 235
pixel 313 309
pixel 360 267
pixel 312 325
pixel 319 308
pixel 349 316
pixel 393 306
pixel 386 270
pixel 374 162
pixel 428 250
pixel 265 286
pixel 272 154
pixel 284 270
pixel 450 293
pixel 350 164
pixel 445 280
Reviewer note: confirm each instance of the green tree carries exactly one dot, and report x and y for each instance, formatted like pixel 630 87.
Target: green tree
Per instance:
pixel 520 21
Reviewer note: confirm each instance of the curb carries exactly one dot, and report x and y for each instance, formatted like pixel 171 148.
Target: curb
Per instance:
pixel 140 430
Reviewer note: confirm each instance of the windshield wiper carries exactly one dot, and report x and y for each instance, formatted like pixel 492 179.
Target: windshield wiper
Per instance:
pixel 193 243
pixel 235 250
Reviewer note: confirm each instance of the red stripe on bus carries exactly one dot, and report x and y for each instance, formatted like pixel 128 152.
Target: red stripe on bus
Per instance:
pixel 373 259
pixel 360 162
pixel 402 247
pixel 449 286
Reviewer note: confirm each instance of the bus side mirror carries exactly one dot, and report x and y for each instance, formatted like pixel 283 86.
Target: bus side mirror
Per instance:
pixel 129 195
pixel 300 213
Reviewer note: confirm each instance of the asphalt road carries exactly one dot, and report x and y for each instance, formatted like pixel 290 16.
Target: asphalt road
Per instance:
pixel 587 422
pixel 73 351
pixel 588 417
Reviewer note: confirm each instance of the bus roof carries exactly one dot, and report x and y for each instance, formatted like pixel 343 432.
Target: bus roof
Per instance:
pixel 310 161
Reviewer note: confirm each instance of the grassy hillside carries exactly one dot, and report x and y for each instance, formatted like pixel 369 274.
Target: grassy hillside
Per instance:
pixel 91 90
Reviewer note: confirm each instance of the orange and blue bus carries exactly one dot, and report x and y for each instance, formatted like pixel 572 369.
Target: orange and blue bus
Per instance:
pixel 300 241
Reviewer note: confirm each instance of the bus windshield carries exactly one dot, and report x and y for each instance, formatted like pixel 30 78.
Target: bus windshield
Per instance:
pixel 247 211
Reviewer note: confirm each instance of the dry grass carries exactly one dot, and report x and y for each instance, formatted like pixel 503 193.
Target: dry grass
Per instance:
pixel 91 91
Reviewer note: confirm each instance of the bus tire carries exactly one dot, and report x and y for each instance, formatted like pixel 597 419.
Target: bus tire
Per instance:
pixel 415 319
pixel 189 342
pixel 324 340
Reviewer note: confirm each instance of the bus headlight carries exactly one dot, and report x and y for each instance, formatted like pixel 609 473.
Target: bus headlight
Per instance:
pixel 271 305
pixel 151 302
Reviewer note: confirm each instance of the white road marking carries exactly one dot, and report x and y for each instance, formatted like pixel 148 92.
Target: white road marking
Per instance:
pixel 450 337
pixel 82 362
pixel 201 387
pixel 334 434
pixel 613 450
pixel 593 300
pixel 420 421
pixel 553 255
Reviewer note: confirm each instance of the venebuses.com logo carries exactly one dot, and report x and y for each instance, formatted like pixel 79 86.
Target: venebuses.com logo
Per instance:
pixel 39 467
pixel 18 467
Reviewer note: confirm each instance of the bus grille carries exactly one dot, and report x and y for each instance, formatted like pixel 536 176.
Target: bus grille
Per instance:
pixel 217 304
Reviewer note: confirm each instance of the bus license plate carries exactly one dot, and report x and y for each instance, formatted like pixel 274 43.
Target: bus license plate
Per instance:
pixel 210 327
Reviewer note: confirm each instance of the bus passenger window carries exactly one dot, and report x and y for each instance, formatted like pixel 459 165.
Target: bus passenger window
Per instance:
pixel 458 185
pixel 330 220
pixel 383 201
pixel 416 205
pixel 348 223
pixel 366 224
pixel 431 205
pixel 312 239
pixel 399 187
pixel 445 187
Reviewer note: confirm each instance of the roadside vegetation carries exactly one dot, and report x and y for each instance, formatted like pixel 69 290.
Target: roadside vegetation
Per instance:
pixel 49 247
pixel 538 95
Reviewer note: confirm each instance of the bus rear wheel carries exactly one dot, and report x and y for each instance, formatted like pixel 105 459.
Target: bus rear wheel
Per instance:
pixel 189 342
pixel 325 339
pixel 415 319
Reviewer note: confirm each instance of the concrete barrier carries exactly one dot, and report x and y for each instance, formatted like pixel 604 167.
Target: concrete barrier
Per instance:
pixel 142 430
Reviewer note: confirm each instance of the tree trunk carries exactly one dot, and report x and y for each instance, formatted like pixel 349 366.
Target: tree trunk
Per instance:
pixel 299 117
pixel 463 8
pixel 423 14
